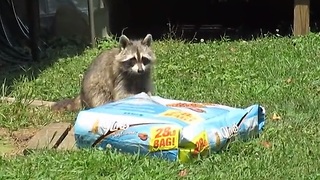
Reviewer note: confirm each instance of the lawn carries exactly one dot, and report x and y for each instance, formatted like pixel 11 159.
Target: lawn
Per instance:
pixel 282 74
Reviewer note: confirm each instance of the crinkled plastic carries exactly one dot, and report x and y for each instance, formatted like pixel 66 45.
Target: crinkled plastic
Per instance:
pixel 167 128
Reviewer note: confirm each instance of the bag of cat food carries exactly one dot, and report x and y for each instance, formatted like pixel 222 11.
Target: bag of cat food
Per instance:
pixel 167 128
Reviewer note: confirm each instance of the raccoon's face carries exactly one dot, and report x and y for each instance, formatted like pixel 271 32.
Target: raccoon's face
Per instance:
pixel 136 57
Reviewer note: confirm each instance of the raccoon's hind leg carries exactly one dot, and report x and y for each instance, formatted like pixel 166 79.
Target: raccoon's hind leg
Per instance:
pixel 95 98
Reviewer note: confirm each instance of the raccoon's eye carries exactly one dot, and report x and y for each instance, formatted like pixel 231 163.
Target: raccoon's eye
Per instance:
pixel 132 61
pixel 145 60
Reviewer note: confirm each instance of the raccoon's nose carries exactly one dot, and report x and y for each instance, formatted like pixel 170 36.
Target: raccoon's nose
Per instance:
pixel 140 70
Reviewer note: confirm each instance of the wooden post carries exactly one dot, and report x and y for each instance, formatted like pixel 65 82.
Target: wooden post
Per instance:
pixel 34 26
pixel 301 17
pixel 91 22
pixel 101 20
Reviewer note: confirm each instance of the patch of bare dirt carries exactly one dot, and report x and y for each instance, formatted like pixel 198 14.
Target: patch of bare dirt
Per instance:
pixel 4 132
pixel 23 135
pixel 16 140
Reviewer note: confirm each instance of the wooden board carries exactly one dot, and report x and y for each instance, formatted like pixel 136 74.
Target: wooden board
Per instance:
pixel 36 103
pixel 58 136
pixel 301 17
pixel 69 142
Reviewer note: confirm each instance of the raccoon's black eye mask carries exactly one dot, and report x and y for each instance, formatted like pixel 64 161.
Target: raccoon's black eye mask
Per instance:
pixel 145 60
pixel 130 62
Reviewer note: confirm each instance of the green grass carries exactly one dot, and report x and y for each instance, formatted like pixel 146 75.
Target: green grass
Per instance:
pixel 282 74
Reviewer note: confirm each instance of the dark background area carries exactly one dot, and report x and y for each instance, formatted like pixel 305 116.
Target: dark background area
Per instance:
pixel 208 18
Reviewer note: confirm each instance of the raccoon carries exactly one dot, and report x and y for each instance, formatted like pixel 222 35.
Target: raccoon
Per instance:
pixel 115 74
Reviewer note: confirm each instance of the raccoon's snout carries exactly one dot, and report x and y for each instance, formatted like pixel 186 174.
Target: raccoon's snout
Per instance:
pixel 140 70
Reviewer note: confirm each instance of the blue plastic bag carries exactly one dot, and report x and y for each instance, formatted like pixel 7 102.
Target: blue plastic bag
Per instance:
pixel 171 129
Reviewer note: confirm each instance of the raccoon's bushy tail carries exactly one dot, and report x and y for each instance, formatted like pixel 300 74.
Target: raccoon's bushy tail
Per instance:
pixel 73 104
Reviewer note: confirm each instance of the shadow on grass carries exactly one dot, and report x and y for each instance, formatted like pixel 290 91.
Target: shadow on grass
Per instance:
pixel 55 50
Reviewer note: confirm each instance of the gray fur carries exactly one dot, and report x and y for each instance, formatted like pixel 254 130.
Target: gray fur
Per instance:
pixel 110 76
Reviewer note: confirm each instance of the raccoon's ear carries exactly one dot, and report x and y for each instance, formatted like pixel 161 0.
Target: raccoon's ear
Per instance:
pixel 124 41
pixel 147 40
